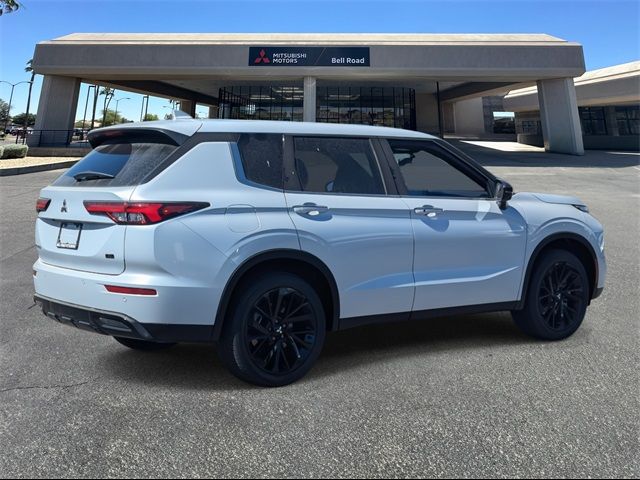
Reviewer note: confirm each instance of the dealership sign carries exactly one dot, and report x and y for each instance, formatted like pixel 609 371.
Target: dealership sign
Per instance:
pixel 309 56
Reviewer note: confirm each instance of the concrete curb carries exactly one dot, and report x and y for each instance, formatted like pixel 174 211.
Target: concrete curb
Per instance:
pixel 5 172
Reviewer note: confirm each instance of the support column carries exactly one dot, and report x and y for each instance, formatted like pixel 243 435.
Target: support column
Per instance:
pixel 56 110
pixel 559 116
pixel 213 112
pixel 188 106
pixel 309 102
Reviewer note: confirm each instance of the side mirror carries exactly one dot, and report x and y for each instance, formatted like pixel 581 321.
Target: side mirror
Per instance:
pixel 504 192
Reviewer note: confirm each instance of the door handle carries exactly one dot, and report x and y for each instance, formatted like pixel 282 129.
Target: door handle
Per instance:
pixel 310 209
pixel 428 211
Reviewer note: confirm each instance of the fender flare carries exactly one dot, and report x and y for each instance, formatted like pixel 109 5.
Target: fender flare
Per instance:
pixel 270 255
pixel 546 241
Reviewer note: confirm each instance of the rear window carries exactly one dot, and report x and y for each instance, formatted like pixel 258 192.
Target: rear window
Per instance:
pixel 127 163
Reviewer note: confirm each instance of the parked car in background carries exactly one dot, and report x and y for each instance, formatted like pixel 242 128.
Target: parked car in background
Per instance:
pixel 22 132
pixel 264 236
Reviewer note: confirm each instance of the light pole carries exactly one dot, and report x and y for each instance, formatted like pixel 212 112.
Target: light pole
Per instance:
pixel 143 108
pixel 86 104
pixel 115 117
pixel 13 85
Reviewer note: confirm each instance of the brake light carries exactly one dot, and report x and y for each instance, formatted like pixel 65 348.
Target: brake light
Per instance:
pixel 125 213
pixel 130 290
pixel 42 204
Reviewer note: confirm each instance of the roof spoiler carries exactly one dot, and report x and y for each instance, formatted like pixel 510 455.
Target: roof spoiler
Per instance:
pixel 180 115
pixel 135 135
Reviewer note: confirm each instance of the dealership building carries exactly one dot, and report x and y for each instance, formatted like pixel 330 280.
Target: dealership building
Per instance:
pixel 608 107
pixel 417 81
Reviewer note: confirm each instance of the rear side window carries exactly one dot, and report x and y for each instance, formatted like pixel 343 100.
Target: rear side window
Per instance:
pixel 127 163
pixel 337 165
pixel 262 158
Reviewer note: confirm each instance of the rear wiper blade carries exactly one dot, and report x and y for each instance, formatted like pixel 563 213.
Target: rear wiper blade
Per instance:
pixel 84 176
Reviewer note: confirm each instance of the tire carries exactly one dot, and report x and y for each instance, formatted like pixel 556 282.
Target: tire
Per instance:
pixel 260 343
pixel 143 345
pixel 557 297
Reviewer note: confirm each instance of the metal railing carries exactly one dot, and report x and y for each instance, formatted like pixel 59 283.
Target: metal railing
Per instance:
pixel 54 138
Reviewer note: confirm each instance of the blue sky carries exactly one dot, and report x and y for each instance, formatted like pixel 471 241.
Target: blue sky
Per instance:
pixel 608 29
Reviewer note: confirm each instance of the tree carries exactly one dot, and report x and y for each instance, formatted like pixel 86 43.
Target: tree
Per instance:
pixel 150 117
pixel 110 118
pixel 108 93
pixel 24 119
pixel 4 112
pixel 8 6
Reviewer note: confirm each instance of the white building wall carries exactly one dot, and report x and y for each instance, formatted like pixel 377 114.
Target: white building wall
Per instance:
pixel 469 117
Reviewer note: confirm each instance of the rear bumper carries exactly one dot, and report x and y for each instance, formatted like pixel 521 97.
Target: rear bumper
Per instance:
pixel 179 300
pixel 120 325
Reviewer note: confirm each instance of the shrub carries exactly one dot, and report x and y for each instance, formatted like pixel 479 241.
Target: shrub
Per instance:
pixel 14 151
pixel 1 150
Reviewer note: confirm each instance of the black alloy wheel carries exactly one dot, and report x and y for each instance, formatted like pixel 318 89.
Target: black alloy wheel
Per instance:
pixel 557 297
pixel 561 296
pixel 275 330
pixel 281 331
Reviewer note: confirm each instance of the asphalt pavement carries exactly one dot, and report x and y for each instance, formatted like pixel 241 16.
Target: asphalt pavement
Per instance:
pixel 466 396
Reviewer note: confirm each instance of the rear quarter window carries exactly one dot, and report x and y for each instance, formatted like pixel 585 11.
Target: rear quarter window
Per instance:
pixel 128 163
pixel 262 158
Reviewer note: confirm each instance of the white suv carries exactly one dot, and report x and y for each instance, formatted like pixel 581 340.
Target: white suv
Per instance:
pixel 263 236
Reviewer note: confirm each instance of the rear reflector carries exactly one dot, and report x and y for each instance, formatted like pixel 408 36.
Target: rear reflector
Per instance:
pixel 125 213
pixel 130 290
pixel 42 204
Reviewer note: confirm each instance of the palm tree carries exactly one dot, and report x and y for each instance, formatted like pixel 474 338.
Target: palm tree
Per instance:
pixel 95 104
pixel 29 69
pixel 8 6
pixel 108 95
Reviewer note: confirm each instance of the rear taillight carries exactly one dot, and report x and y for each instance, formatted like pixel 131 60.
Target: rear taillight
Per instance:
pixel 130 290
pixel 126 213
pixel 42 204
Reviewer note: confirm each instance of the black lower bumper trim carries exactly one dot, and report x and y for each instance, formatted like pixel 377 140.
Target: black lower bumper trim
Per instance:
pixel 118 325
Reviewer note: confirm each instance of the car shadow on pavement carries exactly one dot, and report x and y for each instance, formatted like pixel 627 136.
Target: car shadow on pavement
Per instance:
pixel 379 343
pixel 197 367
pixel 185 366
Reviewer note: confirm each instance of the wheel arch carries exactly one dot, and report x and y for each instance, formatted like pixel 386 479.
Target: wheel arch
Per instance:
pixel 309 267
pixel 572 242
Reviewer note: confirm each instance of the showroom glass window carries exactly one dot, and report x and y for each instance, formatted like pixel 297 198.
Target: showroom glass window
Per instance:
pixel 385 106
pixel 249 102
pixel 592 120
pixel 628 118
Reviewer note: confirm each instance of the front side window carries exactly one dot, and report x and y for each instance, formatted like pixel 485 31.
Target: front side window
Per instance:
pixel 428 171
pixel 337 165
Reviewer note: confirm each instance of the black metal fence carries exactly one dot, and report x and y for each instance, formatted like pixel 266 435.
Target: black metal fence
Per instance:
pixel 54 138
